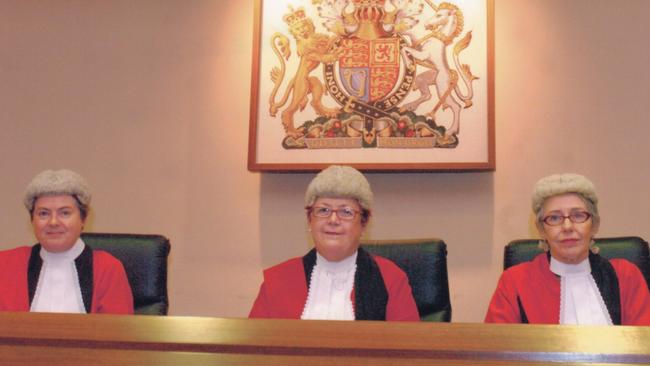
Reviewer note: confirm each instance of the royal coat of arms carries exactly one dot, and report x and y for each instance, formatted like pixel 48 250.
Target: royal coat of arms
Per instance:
pixel 370 80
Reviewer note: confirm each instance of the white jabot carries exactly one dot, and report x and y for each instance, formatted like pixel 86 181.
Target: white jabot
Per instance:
pixel 330 288
pixel 58 288
pixel 580 299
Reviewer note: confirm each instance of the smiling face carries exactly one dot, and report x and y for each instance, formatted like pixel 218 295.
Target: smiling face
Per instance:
pixel 569 241
pixel 57 222
pixel 336 239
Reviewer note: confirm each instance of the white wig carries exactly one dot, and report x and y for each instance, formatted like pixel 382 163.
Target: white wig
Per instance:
pixel 558 184
pixel 57 182
pixel 340 181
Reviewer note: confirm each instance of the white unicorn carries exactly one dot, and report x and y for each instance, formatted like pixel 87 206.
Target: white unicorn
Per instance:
pixel 431 52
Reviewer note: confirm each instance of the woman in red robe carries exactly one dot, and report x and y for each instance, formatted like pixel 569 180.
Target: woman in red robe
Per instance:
pixel 336 280
pixel 570 283
pixel 61 273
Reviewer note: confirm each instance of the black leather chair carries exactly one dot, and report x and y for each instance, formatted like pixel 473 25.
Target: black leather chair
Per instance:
pixel 425 264
pixel 632 248
pixel 145 261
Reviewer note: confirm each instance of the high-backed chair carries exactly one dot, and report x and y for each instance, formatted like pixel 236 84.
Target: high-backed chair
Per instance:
pixel 425 264
pixel 632 248
pixel 145 261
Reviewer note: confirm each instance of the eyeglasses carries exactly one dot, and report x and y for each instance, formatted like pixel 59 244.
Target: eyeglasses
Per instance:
pixel 577 217
pixel 343 213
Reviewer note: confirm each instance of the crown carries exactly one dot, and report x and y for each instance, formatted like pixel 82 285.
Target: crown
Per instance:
pixel 371 11
pixel 294 17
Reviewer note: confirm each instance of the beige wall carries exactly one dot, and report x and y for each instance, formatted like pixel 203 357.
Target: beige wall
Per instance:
pixel 149 101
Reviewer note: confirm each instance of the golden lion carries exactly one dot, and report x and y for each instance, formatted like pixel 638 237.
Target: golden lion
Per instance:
pixel 313 48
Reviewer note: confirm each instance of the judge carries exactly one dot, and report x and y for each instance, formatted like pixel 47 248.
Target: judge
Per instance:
pixel 61 273
pixel 570 283
pixel 337 280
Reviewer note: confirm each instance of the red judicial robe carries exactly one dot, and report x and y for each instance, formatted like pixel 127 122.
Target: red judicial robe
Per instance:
pixel 532 286
pixel 284 292
pixel 109 291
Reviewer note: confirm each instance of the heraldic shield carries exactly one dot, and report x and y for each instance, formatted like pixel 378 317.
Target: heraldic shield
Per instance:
pixel 369 69
pixel 371 81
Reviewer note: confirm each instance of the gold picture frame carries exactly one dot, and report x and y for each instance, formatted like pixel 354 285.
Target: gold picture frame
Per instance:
pixel 381 85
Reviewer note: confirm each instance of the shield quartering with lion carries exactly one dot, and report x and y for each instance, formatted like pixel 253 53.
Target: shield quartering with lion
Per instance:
pixel 369 82
pixel 369 69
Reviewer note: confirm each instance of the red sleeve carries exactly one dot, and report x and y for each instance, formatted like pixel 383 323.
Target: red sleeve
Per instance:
pixel 635 297
pixel 401 304
pixel 260 307
pixel 503 306
pixel 13 279
pixel 112 293
pixel 283 292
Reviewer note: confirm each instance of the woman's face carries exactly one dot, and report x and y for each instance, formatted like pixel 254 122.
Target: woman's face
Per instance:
pixel 57 222
pixel 336 238
pixel 569 241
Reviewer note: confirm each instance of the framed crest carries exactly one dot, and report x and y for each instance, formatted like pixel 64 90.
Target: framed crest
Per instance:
pixel 380 85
